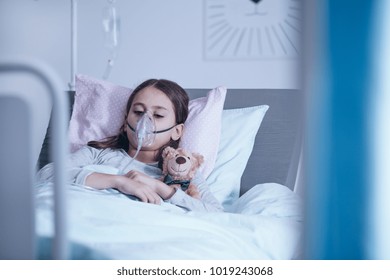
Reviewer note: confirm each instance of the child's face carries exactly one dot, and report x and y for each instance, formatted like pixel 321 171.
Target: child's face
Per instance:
pixel 160 107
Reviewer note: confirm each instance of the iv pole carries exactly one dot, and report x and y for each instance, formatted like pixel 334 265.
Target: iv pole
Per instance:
pixel 73 45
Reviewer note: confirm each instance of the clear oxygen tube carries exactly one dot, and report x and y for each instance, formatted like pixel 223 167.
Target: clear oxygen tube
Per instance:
pixel 144 135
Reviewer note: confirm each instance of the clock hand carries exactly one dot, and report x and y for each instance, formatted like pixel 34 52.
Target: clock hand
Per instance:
pixel 256 12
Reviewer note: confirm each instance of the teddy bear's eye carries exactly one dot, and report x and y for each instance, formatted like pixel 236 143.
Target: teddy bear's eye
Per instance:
pixel 188 157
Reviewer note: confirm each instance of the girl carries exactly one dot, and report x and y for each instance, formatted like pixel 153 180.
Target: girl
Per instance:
pixel 167 103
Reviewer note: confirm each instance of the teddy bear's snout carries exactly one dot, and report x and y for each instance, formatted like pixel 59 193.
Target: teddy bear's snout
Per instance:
pixel 180 160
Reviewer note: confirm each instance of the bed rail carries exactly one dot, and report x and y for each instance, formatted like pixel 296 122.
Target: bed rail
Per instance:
pixel 59 151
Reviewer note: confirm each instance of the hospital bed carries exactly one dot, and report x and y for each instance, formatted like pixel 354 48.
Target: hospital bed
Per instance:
pixel 263 215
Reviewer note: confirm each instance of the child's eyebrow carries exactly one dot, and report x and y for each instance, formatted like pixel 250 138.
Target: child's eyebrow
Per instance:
pixel 157 107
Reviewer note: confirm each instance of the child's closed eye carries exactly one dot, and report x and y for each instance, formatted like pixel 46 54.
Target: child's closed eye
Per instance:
pixel 158 116
pixel 138 112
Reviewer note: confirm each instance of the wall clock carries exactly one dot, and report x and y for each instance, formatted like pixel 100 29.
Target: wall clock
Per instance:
pixel 251 29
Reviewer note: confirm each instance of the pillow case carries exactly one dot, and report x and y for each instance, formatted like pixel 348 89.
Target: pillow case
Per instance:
pixel 203 127
pixel 239 129
pixel 99 111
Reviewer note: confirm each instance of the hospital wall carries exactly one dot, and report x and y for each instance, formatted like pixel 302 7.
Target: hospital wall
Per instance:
pixel 163 39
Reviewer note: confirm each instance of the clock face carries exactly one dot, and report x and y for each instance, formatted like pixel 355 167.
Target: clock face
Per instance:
pixel 251 29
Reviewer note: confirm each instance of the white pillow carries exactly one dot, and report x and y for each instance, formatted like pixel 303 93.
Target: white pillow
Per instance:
pixel 239 129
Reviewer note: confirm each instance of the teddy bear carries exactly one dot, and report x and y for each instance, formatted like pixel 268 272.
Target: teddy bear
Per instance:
pixel 179 167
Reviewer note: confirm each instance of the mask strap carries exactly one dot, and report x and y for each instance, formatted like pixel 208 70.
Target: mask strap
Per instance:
pixel 132 129
pixel 164 130
pixel 156 131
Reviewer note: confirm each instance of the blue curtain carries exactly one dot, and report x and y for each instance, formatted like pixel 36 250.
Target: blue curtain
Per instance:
pixel 337 200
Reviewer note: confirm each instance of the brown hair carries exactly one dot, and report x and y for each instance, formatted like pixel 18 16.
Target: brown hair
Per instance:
pixel 173 91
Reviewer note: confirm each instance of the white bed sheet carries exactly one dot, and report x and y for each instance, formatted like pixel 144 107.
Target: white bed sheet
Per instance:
pixel 265 223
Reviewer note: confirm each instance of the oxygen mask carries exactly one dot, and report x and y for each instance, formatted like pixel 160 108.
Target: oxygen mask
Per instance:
pixel 145 130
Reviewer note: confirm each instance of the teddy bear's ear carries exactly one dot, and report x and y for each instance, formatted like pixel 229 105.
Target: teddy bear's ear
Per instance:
pixel 168 151
pixel 199 158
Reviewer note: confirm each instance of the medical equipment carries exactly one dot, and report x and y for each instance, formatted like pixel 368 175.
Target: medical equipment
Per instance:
pixel 145 132
pixel 111 28
pixel 17 238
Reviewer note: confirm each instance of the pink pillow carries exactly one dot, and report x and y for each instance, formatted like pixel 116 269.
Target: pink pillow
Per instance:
pixel 203 127
pixel 99 110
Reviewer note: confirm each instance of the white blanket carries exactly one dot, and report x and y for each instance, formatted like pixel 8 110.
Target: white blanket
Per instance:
pixel 265 223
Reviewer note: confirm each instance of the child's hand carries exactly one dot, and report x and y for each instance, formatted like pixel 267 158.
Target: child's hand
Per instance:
pixel 139 189
pixel 142 178
pixel 159 187
pixel 193 191
pixel 144 192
